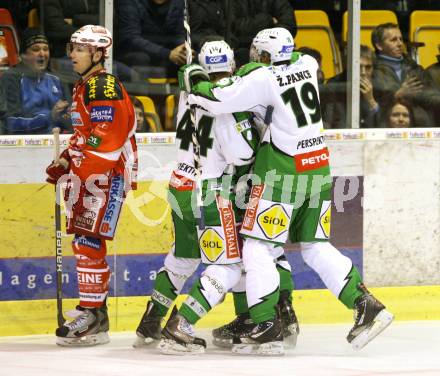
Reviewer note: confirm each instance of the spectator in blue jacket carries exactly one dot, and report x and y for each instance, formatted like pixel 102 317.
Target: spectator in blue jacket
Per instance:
pixel 32 100
pixel 151 33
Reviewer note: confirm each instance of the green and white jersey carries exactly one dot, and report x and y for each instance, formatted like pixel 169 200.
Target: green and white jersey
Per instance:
pixel 225 140
pixel 291 89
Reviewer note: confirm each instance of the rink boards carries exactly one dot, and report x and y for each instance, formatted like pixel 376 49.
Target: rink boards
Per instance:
pixel 387 187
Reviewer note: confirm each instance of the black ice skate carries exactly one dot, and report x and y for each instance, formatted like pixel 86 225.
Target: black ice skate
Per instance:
pixel 89 328
pixel 149 328
pixel 178 337
pixel 223 336
pixel 288 319
pixel 371 318
pixel 266 338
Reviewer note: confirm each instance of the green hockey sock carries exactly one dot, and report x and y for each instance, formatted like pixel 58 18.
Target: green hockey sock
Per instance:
pixel 195 306
pixel 351 292
pixel 240 302
pixel 164 293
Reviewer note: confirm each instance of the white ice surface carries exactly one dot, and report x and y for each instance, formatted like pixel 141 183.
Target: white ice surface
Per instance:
pixel 405 348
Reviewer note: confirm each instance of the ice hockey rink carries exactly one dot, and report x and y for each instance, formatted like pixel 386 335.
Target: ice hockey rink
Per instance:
pixel 404 348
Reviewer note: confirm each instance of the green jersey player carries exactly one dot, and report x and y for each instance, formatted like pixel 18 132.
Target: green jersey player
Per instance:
pixel 227 146
pixel 290 197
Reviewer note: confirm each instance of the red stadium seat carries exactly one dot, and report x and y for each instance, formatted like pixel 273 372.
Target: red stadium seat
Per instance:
pixel 8 39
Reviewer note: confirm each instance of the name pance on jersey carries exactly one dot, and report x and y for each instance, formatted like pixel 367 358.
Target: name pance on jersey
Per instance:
pixel 293 77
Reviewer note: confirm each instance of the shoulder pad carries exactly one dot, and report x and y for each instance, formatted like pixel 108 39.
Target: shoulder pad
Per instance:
pixel 104 87
pixel 248 68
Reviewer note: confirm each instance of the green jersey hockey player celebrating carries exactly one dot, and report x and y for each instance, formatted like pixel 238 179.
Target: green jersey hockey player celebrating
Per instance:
pixel 291 200
pixel 228 142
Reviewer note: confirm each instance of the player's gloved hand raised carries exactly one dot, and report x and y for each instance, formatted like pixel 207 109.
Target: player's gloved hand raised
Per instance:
pixel 189 75
pixel 55 170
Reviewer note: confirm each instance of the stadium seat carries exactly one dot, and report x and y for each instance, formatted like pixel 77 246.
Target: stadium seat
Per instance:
pixel 170 107
pixel 424 31
pixel 33 19
pixel 369 20
pixel 151 113
pixel 8 38
pixel 314 31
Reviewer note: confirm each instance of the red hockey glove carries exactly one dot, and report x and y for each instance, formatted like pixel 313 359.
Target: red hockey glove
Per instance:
pixel 55 170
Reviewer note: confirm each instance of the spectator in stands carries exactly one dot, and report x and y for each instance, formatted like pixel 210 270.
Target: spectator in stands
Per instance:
pixel 61 18
pixel 214 18
pixel 252 16
pixel 142 124
pixel 209 20
pixel 434 70
pixel 151 33
pixel 397 77
pixel 335 96
pixel 399 115
pixel 32 100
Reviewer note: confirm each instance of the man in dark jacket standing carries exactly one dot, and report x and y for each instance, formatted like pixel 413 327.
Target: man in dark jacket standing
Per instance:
pixel 238 21
pixel 151 33
pixel 62 18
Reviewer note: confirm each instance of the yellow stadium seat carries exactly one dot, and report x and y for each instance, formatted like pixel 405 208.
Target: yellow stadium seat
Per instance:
pixel 369 20
pixel 314 31
pixel 170 106
pixel 33 19
pixel 424 27
pixel 151 113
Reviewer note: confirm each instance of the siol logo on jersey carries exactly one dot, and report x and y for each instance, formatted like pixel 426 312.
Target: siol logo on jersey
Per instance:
pixel 216 59
pixel 102 114
pixel 273 221
pixel 323 230
pixel 211 244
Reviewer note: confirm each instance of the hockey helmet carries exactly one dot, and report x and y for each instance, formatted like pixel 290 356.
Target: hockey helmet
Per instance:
pixel 93 35
pixel 216 57
pixel 277 42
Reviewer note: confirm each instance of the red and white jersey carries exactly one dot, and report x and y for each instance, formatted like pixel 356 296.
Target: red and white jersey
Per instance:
pixel 104 121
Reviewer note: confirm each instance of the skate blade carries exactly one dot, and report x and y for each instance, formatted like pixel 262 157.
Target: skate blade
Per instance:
pixel 89 340
pixel 381 322
pixel 143 342
pixel 223 343
pixel 169 347
pixel 290 340
pixel 263 349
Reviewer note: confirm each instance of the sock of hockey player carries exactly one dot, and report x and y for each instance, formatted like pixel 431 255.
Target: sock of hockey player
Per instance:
pixel 344 281
pixel 168 285
pixel 90 323
pixel 262 292
pixel 287 313
pixel 208 291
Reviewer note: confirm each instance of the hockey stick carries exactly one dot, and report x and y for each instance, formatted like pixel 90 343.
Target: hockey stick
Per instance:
pixel 58 248
pixel 195 138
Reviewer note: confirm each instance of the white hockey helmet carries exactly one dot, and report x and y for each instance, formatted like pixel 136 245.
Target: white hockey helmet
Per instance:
pixel 277 42
pixel 93 35
pixel 216 57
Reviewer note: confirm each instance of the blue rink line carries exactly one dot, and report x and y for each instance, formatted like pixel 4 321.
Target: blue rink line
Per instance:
pixel 34 278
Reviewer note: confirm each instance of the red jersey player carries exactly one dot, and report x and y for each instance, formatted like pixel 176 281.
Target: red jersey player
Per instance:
pixel 99 167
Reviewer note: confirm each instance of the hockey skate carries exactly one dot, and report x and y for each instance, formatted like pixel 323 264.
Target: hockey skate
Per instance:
pixel 266 338
pixel 223 336
pixel 149 328
pixel 89 328
pixel 288 319
pixel 371 318
pixel 178 337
